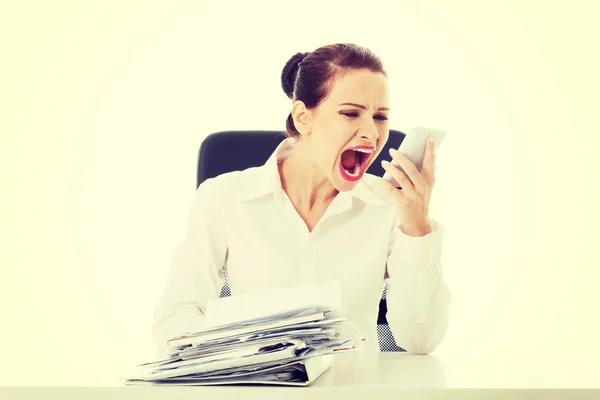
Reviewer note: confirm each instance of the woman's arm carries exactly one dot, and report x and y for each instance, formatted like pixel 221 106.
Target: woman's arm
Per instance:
pixel 194 276
pixel 417 297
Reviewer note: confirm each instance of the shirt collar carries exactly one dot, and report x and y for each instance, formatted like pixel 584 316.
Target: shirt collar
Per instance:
pixel 267 179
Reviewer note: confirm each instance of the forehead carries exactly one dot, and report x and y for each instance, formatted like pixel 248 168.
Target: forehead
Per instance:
pixel 360 86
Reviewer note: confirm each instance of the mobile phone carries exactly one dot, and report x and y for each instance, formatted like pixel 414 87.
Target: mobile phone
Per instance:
pixel 413 147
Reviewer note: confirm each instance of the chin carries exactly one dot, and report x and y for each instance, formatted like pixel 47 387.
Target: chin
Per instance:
pixel 345 186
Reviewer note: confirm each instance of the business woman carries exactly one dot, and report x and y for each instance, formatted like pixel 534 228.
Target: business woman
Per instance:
pixel 312 214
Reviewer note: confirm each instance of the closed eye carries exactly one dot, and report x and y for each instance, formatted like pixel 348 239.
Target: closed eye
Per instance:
pixel 354 115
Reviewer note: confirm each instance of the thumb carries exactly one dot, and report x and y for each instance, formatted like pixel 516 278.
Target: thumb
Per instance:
pixel 386 188
pixel 383 185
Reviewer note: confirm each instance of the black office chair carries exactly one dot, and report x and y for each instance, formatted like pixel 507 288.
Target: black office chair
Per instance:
pixel 227 151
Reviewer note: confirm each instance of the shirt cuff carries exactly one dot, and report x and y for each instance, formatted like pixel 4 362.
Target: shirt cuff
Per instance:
pixel 422 253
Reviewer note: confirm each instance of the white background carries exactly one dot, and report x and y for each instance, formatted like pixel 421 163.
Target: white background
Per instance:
pixel 103 106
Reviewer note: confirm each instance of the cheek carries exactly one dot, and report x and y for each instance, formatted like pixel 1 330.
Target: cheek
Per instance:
pixel 331 144
pixel 325 153
pixel 326 146
pixel 381 142
pixel 383 139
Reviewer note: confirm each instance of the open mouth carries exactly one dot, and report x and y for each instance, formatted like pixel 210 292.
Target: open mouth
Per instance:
pixel 354 161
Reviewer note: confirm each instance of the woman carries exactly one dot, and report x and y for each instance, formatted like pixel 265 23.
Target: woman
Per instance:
pixel 312 214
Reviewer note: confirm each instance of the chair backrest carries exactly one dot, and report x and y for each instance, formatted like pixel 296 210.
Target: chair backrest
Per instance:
pixel 228 151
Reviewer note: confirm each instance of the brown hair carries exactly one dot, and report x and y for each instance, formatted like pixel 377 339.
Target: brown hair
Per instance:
pixel 309 76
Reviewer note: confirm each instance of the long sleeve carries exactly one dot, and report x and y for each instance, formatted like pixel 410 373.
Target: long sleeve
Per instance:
pixel 418 299
pixel 194 275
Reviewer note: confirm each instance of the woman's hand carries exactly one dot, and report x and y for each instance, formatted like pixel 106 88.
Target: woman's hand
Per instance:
pixel 413 199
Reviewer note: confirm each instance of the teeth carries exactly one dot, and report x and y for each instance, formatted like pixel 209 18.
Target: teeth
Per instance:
pixel 355 171
pixel 368 151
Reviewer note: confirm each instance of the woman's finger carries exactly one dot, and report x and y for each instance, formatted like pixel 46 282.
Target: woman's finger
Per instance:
pixel 400 177
pixel 428 171
pixel 391 189
pixel 411 171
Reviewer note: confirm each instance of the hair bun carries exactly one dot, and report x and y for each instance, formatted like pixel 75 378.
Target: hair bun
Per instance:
pixel 289 73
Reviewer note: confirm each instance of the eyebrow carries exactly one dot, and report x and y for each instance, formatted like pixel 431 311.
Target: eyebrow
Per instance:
pixel 363 107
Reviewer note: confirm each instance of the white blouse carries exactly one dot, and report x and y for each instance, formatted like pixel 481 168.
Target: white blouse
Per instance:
pixel 245 221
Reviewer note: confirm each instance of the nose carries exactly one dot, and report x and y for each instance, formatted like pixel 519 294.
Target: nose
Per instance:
pixel 370 133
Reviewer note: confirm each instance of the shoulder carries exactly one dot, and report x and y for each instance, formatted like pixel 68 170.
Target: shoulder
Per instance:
pixel 230 185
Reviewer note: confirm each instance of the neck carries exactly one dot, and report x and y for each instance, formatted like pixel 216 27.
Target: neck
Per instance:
pixel 303 182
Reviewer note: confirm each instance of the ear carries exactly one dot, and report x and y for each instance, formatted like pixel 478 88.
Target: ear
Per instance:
pixel 302 118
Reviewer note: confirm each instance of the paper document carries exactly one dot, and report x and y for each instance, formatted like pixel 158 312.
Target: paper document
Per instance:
pixel 268 344
pixel 259 304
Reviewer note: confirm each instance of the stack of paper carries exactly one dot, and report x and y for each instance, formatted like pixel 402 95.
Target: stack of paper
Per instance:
pixel 291 347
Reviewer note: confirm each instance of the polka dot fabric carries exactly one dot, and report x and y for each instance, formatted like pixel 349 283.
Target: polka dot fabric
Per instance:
pixel 384 334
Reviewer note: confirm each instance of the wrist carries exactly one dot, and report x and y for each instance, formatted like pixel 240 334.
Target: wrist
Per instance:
pixel 417 230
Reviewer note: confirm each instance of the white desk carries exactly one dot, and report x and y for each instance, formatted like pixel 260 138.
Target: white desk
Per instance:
pixel 376 376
